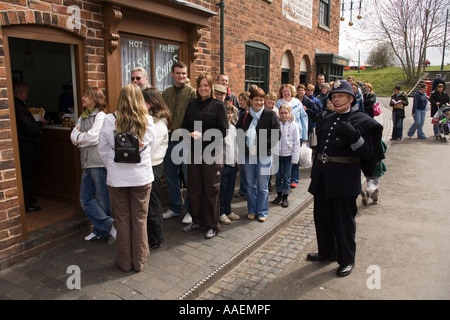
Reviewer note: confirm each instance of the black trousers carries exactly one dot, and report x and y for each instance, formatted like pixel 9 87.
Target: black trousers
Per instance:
pixel 335 224
pixel 27 156
pixel 155 217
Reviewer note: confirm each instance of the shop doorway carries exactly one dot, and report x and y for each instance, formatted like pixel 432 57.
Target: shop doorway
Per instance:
pixel 49 70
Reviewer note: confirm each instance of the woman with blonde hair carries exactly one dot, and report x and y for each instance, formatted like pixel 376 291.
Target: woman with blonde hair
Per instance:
pixel 129 184
pixel 94 196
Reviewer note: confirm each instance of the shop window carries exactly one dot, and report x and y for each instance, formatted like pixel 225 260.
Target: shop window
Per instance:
pixel 157 57
pixel 256 65
pixel 324 13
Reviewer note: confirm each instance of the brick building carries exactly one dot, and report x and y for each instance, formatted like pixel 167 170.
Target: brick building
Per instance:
pixel 50 43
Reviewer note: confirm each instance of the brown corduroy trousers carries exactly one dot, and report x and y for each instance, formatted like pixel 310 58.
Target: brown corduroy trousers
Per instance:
pixel 130 209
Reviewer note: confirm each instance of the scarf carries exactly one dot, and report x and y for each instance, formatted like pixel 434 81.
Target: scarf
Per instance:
pixel 250 138
pixel 87 112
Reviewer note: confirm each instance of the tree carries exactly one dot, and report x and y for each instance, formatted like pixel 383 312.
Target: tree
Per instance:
pixel 411 27
pixel 382 56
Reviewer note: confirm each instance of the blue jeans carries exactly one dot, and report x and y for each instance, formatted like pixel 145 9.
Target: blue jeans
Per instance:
pixel 172 174
pixel 397 129
pixel 257 174
pixel 227 183
pixel 419 120
pixel 94 199
pixel 283 175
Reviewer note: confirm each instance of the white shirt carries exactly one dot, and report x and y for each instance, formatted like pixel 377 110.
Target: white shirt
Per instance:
pixel 89 138
pixel 126 174
pixel 161 141
pixel 289 144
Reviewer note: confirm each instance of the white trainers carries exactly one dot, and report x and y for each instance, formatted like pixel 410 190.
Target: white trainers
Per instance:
pixel 224 219
pixel 233 216
pixel 169 214
pixel 187 218
pixel 91 237
pixel 113 234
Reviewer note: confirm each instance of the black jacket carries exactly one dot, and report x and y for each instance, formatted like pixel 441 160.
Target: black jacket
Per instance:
pixel 211 113
pixel 268 121
pixel 344 179
pixel 442 98
pixel 28 129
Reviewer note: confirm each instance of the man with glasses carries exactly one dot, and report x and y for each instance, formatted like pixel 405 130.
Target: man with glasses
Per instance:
pixel 139 76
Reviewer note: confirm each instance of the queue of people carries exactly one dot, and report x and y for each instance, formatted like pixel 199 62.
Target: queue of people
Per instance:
pixel 202 139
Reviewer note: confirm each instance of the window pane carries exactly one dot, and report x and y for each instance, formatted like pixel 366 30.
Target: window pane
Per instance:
pixel 135 53
pixel 166 55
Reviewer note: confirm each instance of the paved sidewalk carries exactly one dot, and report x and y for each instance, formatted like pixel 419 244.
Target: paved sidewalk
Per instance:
pixel 183 268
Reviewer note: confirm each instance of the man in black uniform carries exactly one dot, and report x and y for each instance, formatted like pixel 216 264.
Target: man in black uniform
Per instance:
pixel 348 142
pixel 29 132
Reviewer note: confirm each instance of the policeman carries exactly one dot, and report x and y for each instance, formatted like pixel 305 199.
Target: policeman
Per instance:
pixel 348 142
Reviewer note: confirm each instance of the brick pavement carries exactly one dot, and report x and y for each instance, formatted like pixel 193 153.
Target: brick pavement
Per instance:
pixel 185 267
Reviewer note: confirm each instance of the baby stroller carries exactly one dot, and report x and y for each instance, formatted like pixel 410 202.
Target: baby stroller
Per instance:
pixel 442 120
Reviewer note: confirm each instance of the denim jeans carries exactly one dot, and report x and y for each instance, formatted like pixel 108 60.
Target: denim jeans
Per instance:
pixel 397 128
pixel 227 183
pixel 419 120
pixel 283 175
pixel 257 174
pixel 94 199
pixel 172 174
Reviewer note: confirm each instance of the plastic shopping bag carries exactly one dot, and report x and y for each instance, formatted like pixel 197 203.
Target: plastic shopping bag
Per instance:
pixel 305 156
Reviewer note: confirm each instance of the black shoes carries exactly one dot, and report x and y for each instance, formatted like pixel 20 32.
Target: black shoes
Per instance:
pixel 318 257
pixel 343 271
pixel 278 199
pixel 33 209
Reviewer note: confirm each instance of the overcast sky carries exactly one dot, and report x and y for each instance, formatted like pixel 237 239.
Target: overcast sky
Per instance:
pixel 351 38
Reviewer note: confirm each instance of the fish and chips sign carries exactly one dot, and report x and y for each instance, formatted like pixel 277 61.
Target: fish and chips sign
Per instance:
pixel 299 11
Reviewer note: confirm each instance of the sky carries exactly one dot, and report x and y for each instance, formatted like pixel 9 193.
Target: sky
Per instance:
pixel 351 38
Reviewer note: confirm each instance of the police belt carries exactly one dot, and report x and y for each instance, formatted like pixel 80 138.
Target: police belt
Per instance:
pixel 326 158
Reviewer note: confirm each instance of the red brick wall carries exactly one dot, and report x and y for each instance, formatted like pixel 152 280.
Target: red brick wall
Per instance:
pixel 45 12
pixel 259 20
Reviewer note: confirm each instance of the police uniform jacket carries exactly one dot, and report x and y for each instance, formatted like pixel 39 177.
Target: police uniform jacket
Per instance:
pixel 343 178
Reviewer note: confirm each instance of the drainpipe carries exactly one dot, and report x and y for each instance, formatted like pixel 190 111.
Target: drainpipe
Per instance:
pixel 221 5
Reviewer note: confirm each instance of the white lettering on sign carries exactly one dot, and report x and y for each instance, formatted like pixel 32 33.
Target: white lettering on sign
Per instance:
pixel 298 11
pixel 135 43
pixel 163 71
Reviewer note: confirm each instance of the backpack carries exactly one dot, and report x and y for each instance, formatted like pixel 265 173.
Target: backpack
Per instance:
pixel 126 147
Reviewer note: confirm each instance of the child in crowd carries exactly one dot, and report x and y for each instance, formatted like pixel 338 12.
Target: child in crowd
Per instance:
pixel 271 99
pixel 244 102
pixel 289 153
pixel 229 170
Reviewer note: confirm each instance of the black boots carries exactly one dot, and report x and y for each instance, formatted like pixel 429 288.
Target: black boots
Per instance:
pixel 283 199
pixel 277 199
pixel 285 202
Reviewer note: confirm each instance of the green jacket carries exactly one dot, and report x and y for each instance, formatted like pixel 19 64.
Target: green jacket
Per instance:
pixel 177 99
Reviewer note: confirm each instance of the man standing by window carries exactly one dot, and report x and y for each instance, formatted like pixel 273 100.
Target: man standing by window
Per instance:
pixel 177 98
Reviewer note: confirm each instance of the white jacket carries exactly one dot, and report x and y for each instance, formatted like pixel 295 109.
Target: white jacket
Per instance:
pixel 126 174
pixel 230 146
pixel 289 144
pixel 161 141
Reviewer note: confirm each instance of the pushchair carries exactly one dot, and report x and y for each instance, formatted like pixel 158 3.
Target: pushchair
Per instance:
pixel 442 119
